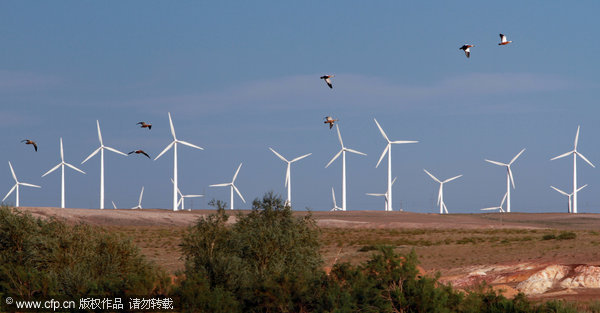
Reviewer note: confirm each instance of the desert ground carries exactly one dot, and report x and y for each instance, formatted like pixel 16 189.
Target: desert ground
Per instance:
pixel 545 255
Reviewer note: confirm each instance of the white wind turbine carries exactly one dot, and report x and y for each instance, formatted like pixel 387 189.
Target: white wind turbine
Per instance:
pixel 440 200
pixel 343 153
pixel 139 206
pixel 509 177
pixel 174 145
pixel 388 149
pixel 232 185
pixel 569 195
pixel 385 195
pixel 335 207
pixel 182 197
pixel 288 182
pixel 16 186
pixel 62 166
pixel 499 208
pixel 575 154
pixel 101 150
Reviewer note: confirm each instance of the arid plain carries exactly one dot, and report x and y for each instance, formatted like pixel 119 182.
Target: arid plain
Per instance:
pixel 545 255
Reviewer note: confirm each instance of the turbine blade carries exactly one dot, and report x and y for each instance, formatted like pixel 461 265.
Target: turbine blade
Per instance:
pixel 189 144
pixel 382 132
pixel 115 151
pixel 192 196
pixel 278 155
pixel 236 173
pixel 165 150
pixel 12 172
pixel 585 159
pixel 375 194
pixel 393 181
pixel 287 175
pixel 516 157
pixel 333 197
pixel 220 185
pixel 300 158
pixel 73 167
pixel 576 138
pixel 562 155
pixel 179 202
pixel 403 141
pixel 503 200
pixel 141 196
pixel 91 155
pixel 512 180
pixel 489 209
pixel 99 133
pixel 62 154
pixel 562 192
pixel 497 163
pixel 52 169
pixel 578 189
pixel 439 199
pixel 433 177
pixel 114 205
pixel 453 178
pixel 354 151
pixel 335 157
pixel 172 128
pixel 238 192
pixel 29 185
pixel 339 135
pixel 382 155
pixel 9 192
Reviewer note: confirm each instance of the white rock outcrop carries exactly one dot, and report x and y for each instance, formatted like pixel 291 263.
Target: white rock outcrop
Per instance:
pixel 584 276
pixel 543 280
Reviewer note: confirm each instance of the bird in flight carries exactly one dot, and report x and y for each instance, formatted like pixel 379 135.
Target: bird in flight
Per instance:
pixel 467 49
pixel 144 125
pixel 30 142
pixel 327 79
pixel 140 151
pixel 329 120
pixel 503 40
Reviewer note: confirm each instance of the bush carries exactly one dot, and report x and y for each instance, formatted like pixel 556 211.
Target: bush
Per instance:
pixel 566 235
pixel 40 258
pixel 548 237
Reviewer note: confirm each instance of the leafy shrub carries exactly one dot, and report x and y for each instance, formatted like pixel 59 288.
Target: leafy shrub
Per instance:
pixel 566 235
pixel 549 237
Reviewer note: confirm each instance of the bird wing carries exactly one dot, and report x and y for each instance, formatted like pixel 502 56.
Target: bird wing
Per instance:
pixel 146 154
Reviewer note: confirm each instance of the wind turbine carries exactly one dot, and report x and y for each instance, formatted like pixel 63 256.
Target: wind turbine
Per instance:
pixel 182 197
pixel 343 153
pixel 62 166
pixel 335 207
pixel 570 195
pixel 174 145
pixel 288 182
pixel 16 186
pixel 101 149
pixel 509 177
pixel 232 185
pixel 388 149
pixel 385 195
pixel 139 206
pixel 575 154
pixel 499 208
pixel 440 200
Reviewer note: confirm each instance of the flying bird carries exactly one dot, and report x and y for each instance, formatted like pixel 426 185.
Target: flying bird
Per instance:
pixel 328 80
pixel 30 142
pixel 467 49
pixel 144 125
pixel 138 152
pixel 329 120
pixel 503 40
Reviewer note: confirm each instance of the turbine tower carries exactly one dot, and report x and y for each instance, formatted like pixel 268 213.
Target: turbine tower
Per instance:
pixel 385 195
pixel 575 154
pixel 139 206
pixel 62 179
pixel 388 149
pixel 343 153
pixel 499 208
pixel 16 185
pixel 440 200
pixel 335 207
pixel 288 182
pixel 101 149
pixel 182 197
pixel 569 195
pixel 174 145
pixel 232 185
pixel 509 177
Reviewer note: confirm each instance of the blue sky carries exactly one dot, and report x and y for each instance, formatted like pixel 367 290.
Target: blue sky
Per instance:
pixel 241 77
